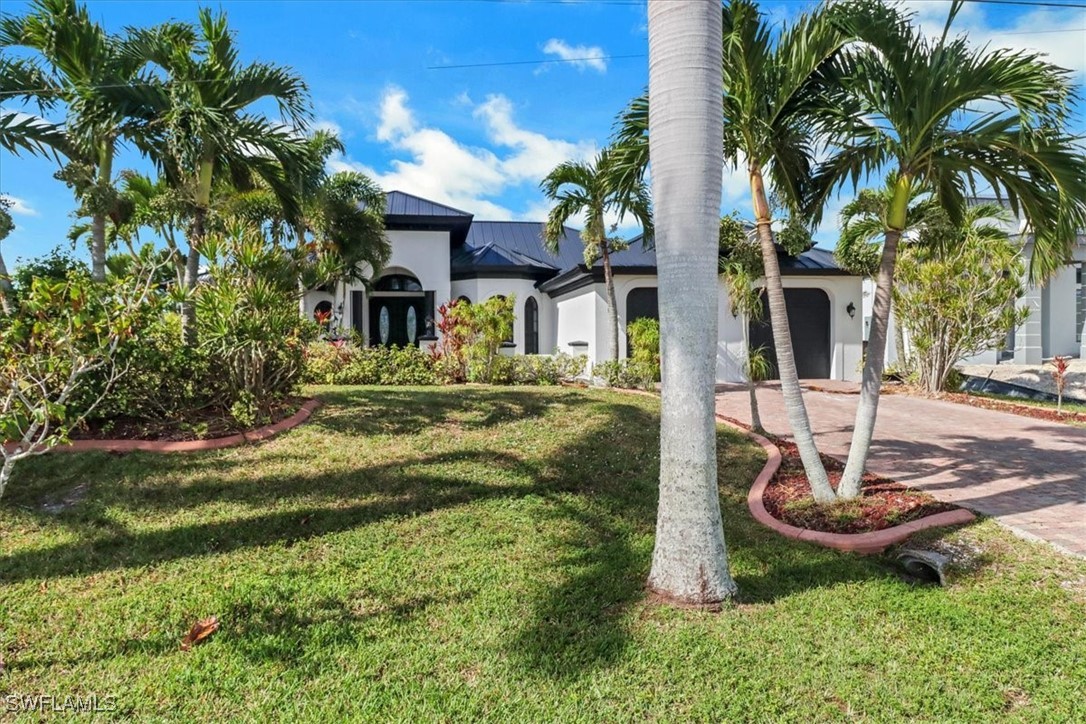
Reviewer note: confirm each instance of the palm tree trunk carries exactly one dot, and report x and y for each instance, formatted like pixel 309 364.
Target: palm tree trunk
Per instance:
pixel 755 417
pixel 612 307
pixel 782 340
pixel 192 274
pixel 689 561
pixel 867 410
pixel 899 344
pixel 98 219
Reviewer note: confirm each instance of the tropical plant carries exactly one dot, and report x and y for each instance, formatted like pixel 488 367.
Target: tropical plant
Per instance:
pixel 249 322
pixel 6 227
pixel 64 334
pixel 644 335
pixel 96 77
pixel 947 118
pixel 779 98
pixel 208 139
pixel 956 290
pixel 591 188
pixel 689 560
pixel 860 244
pixel 740 264
pixel 1060 366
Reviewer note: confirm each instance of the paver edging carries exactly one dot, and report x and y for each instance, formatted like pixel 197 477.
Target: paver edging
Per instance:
pixel 862 543
pixel 171 446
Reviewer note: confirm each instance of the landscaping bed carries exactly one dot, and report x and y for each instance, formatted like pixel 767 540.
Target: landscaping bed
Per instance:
pixel 882 503
pixel 1074 413
pixel 204 425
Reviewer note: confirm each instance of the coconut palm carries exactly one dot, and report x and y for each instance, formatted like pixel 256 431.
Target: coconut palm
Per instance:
pixel 590 188
pixel 74 61
pixel 208 139
pixel 947 118
pixel 689 561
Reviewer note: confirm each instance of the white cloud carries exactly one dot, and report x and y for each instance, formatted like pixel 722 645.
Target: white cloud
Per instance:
pixel 328 126
pixel 437 166
pixel 20 207
pixel 581 57
pixel 1055 32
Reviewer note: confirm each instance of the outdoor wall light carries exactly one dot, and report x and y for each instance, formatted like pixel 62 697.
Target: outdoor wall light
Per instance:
pixel 851 309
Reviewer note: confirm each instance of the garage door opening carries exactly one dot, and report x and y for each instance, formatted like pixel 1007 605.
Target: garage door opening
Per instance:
pixel 809 322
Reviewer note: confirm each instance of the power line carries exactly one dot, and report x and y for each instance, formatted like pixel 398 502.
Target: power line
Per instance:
pixel 586 59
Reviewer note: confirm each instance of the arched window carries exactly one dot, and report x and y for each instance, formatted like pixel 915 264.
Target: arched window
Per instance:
pixel 463 299
pixel 398 283
pixel 531 326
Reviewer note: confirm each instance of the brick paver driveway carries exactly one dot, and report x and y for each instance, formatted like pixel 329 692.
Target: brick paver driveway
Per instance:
pixel 1028 474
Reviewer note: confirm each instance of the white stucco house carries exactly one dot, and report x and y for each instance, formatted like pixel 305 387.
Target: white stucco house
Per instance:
pixel 440 253
pixel 1056 324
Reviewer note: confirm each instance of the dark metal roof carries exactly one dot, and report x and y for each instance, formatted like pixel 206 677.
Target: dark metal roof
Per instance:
pixel 516 247
pixel 398 203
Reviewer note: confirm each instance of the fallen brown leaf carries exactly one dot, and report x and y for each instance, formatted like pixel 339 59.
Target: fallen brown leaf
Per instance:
pixel 200 631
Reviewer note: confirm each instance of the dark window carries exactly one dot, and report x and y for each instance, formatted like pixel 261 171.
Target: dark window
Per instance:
pixel 398 283
pixel 531 326
pixel 641 303
pixel 463 300
pixel 324 309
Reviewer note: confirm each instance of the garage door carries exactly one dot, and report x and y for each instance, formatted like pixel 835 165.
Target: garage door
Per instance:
pixel 809 321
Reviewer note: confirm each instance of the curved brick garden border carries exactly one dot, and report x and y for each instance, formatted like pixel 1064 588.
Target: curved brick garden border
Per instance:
pixel 215 443
pixel 863 543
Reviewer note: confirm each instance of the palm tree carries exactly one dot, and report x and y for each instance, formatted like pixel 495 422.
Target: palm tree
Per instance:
pixel 208 139
pixel 86 69
pixel 740 267
pixel 777 100
pixel 689 561
pixel 945 117
pixel 590 188
pixel 859 246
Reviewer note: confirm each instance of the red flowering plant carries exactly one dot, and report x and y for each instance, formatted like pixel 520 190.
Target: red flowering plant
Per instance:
pixel 1061 365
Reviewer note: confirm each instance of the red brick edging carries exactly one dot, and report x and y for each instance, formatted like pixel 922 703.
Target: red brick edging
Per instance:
pixel 862 543
pixel 216 443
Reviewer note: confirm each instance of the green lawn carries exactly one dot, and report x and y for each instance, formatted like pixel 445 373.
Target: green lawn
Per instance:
pixel 418 554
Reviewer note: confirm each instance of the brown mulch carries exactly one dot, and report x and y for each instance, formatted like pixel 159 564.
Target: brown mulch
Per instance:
pixel 883 503
pixel 206 425
pixel 1071 413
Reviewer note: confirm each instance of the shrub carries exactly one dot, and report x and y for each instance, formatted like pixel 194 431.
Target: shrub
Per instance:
pixel 644 336
pixel 533 369
pixel 625 373
pixel 332 364
pixel 472 335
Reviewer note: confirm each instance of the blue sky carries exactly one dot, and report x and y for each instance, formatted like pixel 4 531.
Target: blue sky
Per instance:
pixel 478 138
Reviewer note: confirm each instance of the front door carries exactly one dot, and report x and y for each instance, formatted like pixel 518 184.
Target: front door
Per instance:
pixel 396 321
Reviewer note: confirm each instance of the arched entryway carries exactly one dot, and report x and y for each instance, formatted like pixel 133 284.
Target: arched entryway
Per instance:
pixel 809 323
pixel 640 303
pixel 397 311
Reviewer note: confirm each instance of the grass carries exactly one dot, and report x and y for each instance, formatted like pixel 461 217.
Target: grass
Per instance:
pixel 419 554
pixel 1070 405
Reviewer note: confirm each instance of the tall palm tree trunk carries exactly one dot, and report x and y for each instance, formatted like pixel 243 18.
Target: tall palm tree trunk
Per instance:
pixel 794 406
pixel 864 427
pixel 98 218
pixel 612 306
pixel 192 274
pixel 689 561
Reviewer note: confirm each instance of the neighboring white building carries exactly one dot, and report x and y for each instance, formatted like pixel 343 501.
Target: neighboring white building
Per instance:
pixel 440 253
pixel 1057 313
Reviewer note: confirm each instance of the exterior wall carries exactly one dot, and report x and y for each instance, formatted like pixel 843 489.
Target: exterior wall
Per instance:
pixel 576 316
pixel 1059 318
pixel 478 290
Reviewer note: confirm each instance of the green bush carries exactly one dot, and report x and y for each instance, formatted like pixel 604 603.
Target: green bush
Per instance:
pixel 329 364
pixel 533 369
pixel 644 336
pixel 627 373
